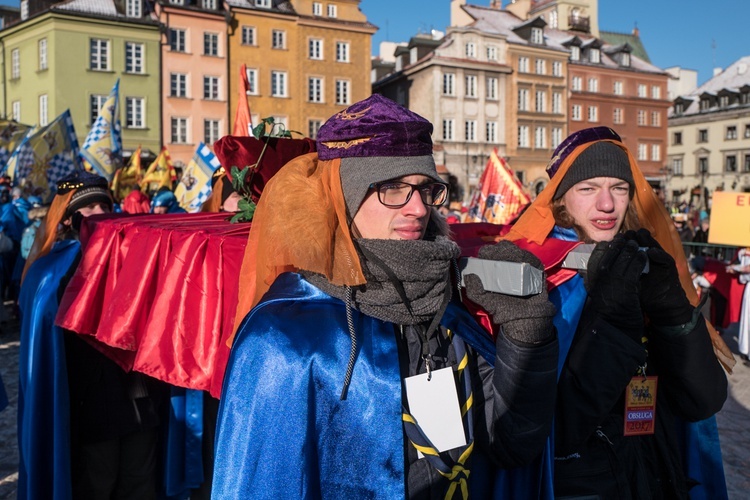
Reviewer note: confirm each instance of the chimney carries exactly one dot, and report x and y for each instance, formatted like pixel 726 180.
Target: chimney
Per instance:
pixel 636 31
pixel 496 4
pixel 717 71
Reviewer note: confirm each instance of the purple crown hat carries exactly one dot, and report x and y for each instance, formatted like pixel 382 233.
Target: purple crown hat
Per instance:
pixel 375 126
pixel 576 139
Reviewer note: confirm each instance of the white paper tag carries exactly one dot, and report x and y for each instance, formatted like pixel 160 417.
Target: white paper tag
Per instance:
pixel 434 405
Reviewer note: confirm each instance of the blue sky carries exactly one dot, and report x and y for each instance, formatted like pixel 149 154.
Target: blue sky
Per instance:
pixel 674 32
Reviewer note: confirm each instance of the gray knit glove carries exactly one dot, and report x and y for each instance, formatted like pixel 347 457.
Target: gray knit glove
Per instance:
pixel 525 320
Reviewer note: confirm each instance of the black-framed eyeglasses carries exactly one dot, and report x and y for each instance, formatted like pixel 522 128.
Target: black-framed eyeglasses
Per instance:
pixel 395 194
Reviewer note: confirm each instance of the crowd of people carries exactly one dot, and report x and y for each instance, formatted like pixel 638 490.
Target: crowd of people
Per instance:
pixel 366 366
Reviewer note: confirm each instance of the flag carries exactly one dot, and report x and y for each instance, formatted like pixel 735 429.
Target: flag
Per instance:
pixel 159 174
pixel 242 119
pixel 195 184
pixel 500 197
pixel 128 178
pixel 46 156
pixel 12 134
pixel 102 149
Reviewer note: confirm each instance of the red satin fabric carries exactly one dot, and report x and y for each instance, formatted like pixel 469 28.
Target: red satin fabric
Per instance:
pixel 728 286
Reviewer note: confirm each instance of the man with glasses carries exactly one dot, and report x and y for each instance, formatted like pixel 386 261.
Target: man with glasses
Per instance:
pixel 358 373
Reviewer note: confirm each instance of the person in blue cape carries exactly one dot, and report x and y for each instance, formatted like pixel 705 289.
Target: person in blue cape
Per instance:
pixel 356 320
pixel 82 421
pixel 165 202
pixel 639 381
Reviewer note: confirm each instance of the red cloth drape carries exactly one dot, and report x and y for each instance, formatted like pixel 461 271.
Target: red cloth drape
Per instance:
pixel 728 286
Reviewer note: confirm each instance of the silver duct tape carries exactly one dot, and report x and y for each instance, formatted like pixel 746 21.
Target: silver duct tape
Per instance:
pixel 578 258
pixel 509 278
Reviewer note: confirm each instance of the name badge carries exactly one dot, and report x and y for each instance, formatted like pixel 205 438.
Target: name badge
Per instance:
pixel 640 406
pixel 434 405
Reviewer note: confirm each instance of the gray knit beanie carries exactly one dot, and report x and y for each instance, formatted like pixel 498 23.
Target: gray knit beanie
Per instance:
pixel 601 159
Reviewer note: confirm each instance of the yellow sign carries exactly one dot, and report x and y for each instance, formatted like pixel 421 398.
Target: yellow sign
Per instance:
pixel 730 219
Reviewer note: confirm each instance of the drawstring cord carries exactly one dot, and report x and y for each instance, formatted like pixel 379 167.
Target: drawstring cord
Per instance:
pixel 353 349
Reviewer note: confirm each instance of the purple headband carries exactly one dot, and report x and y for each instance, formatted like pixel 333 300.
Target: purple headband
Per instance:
pixel 375 126
pixel 576 139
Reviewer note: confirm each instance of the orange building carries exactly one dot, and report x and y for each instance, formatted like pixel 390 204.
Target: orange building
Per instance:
pixel 305 59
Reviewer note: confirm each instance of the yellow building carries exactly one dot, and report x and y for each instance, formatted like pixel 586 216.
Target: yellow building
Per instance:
pixel 305 59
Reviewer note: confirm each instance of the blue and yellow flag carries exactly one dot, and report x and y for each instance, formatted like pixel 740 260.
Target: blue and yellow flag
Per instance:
pixel 12 134
pixel 102 149
pixel 159 174
pixel 195 184
pixel 128 178
pixel 45 157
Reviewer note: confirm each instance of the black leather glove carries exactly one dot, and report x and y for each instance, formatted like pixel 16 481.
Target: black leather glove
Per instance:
pixel 613 281
pixel 525 320
pixel 662 297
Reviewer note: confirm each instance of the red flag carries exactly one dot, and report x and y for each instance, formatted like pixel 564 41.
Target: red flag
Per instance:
pixel 500 196
pixel 242 120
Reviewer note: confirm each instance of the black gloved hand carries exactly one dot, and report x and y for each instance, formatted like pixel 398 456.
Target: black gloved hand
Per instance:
pixel 613 282
pixel 525 320
pixel 662 297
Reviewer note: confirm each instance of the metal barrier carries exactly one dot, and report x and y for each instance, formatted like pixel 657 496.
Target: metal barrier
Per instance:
pixel 719 252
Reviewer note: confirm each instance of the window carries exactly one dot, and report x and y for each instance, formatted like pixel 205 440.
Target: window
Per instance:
pixel 523 64
pixel 313 126
pixel 523 136
pixel 641 117
pixel 315 48
pixel 523 99
pixel 747 132
pixel 575 113
pixel 556 136
pixel 317 11
pixel 470 130
pixel 96 103
pixel 746 164
pixel 595 56
pixel 177 40
pixel 447 130
pixel 470 89
pixel 133 8
pixel 470 49
pixel 731 132
pixel 17 110
pixel 557 102
pixel 278 39
pixel 537 36
pixel 43 110
pixel 490 135
pixel 449 84
pixel 677 138
pixel 24 9
pixel 540 104
pixel 655 152
pixel 641 90
pixel 342 92
pixel 133 57
pixel 557 68
pixel 553 19
pixel 540 137
pixel 134 112
pixel 315 89
pixel 209 4
pixel 177 2
pixel 491 53
pixel 679 108
pixel 655 92
pixel 703 165
pixel 179 130
pixel 625 60
pixel 252 81
pixel 211 88
pixel 575 53
pixel 705 104
pixel 617 90
pixel 263 3
pixel 655 119
pixel 540 66
pixel 593 113
pixel 99 54
pixel 677 166
pixel 211 131
pixel 248 35
pixel 576 83
pixel 593 85
pixel 642 152
pixel 342 52
pixel 178 85
pixel 42 48
pixel 210 44
pixel 492 88
pixel 15 63
pixel 332 12
pixel 703 135
pixel 617 115
pixel 730 164
pixel 278 84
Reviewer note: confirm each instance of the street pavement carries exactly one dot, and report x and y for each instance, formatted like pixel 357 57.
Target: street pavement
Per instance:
pixel 733 419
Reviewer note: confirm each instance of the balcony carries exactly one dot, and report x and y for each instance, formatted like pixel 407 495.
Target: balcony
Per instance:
pixel 579 23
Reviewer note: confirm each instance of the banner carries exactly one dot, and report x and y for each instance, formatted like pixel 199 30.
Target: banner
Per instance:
pixel 195 184
pixel 45 157
pixel 500 197
pixel 730 219
pixel 242 119
pixel 159 174
pixel 102 149
pixel 12 134
pixel 128 178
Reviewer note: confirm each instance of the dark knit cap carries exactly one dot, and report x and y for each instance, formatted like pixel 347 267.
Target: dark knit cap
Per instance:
pixel 89 188
pixel 377 140
pixel 601 159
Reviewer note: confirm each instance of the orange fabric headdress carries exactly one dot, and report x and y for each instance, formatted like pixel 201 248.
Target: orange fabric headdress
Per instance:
pixel 46 234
